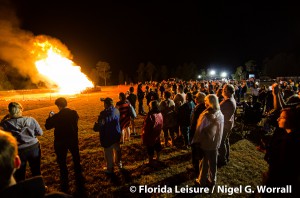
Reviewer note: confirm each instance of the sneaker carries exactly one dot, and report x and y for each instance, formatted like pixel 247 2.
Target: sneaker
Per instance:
pixel 120 165
pixel 143 114
pixel 46 189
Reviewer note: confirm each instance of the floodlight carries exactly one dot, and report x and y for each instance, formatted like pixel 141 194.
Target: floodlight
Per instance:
pixel 223 74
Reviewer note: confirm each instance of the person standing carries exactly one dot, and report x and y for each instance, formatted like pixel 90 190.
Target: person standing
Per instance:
pixel 151 131
pixel 65 124
pixel 108 124
pixel 197 153
pixel 281 154
pixel 167 108
pixel 141 95
pixel 228 107
pixel 179 99
pixel 132 99
pixel 208 134
pixel 184 118
pixel 24 129
pixel 125 116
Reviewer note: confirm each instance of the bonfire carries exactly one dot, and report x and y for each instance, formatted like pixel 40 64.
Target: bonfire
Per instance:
pixel 58 70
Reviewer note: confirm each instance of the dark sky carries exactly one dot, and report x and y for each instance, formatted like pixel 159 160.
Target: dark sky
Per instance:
pixel 125 34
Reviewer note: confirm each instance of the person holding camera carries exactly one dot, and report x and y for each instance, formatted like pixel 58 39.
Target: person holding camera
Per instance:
pixel 24 129
pixel 108 124
pixel 65 124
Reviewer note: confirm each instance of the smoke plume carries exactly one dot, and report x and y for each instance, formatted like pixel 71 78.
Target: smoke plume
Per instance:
pixel 17 46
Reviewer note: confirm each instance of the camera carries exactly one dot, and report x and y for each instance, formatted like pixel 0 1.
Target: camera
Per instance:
pixel 51 113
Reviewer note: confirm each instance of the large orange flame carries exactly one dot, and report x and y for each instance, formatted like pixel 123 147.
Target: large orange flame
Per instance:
pixel 61 71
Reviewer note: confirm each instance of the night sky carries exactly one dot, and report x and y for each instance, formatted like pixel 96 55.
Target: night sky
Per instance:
pixel 125 34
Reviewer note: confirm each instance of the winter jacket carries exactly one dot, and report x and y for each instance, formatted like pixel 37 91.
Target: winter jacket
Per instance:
pixel 209 129
pixel 24 129
pixel 109 126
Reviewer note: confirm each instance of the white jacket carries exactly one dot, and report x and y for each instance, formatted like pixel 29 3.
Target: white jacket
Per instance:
pixel 209 129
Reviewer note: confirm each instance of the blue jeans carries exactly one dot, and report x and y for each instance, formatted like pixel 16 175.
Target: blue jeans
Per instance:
pixel 112 155
pixel 224 149
pixel 32 155
pixel 208 167
pixel 185 130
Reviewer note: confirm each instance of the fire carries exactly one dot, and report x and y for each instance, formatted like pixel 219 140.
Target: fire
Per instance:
pixel 60 71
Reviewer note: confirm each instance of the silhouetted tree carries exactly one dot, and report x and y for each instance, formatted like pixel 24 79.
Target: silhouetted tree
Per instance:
pixel 121 77
pixel 103 70
pixel 4 81
pixel 191 71
pixel 203 74
pixel 282 64
pixel 140 72
pixel 94 76
pixel 179 72
pixel 185 71
pixel 150 69
pixel 239 73
pixel 250 66
pixel 164 72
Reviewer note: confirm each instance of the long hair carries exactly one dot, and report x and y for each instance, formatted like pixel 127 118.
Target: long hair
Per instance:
pixel 154 106
pixel 292 117
pixel 212 101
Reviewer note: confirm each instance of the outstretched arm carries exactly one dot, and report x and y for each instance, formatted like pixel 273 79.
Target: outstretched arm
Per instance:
pixel 277 98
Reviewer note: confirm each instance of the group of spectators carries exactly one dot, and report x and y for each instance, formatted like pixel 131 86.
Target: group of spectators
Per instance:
pixel 204 114
pixel 193 114
pixel 201 113
pixel 19 146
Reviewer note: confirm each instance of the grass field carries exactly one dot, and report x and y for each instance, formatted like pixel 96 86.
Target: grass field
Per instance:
pixel 244 169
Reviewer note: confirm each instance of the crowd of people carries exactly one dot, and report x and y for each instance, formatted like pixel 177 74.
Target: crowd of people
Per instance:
pixel 201 113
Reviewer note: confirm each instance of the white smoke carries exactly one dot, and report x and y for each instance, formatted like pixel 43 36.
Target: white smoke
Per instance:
pixel 17 45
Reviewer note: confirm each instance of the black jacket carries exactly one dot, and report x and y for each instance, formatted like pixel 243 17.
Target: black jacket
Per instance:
pixel 33 188
pixel 65 124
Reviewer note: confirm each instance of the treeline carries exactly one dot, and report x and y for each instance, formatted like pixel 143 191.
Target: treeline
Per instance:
pixel 282 64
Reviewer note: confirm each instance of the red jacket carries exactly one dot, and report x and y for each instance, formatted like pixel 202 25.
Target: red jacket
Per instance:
pixel 152 127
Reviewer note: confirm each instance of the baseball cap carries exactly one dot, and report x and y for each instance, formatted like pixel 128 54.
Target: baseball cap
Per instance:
pixel 107 100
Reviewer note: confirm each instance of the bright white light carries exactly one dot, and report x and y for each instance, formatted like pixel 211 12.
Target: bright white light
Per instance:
pixel 199 76
pixel 223 74
pixel 212 72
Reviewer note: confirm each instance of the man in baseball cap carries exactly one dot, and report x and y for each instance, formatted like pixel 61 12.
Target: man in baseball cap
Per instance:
pixel 108 125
